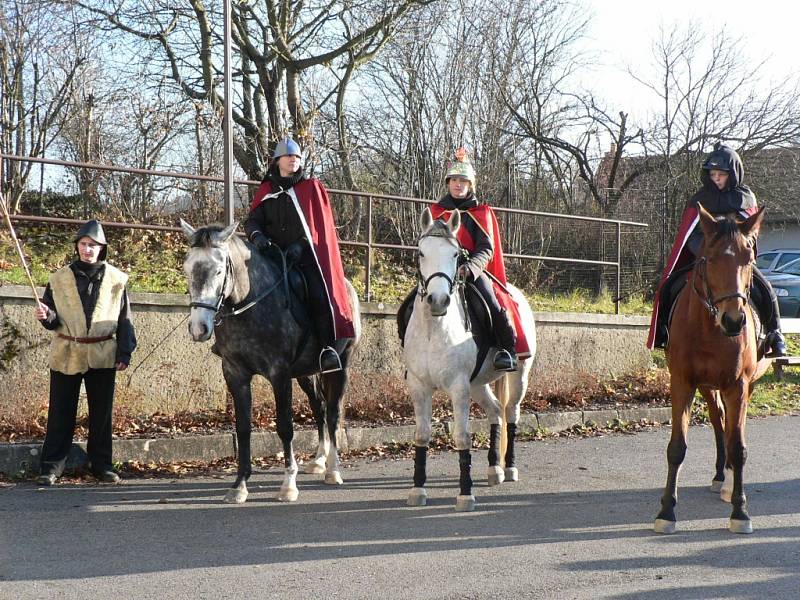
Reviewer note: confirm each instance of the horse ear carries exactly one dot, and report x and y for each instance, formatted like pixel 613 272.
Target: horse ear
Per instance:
pixel 227 232
pixel 707 222
pixel 188 230
pixel 752 225
pixel 425 220
pixel 454 222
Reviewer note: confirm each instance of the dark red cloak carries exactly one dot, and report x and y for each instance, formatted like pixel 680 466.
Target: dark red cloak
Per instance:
pixel 484 217
pixel 317 218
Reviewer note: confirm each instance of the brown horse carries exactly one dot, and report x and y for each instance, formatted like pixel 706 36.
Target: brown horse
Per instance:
pixel 713 347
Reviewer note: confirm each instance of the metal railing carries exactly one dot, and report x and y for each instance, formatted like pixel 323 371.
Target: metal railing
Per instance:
pixel 370 245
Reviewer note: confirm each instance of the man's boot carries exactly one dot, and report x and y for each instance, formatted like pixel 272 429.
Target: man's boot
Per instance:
pixel 775 344
pixel 505 359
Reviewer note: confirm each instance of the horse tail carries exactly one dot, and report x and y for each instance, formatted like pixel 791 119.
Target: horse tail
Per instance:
pixel 502 393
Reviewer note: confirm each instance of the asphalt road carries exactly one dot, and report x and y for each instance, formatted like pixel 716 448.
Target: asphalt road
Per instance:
pixel 578 525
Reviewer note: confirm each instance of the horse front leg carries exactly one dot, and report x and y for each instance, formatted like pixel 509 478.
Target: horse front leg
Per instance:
pixel 482 394
pixel 239 386
pixel 311 387
pixel 736 414
pixel 682 395
pixel 333 386
pixel 282 386
pixel 421 395
pixel 716 414
pixel 459 393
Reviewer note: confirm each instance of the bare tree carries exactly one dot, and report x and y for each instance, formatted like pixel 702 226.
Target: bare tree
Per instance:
pixel 40 57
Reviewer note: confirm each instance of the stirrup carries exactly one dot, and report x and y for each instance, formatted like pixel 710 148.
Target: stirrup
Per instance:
pixel 329 361
pixel 504 361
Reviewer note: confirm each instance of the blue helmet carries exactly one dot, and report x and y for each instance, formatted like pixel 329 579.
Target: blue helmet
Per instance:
pixel 287 146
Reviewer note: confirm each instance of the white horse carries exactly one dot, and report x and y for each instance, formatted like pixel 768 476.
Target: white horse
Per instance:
pixel 440 353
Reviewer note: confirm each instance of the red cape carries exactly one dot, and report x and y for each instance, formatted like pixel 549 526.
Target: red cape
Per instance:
pixel 317 217
pixel 484 217
pixel 679 257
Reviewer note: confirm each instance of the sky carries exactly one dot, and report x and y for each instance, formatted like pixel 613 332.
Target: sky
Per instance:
pixel 622 31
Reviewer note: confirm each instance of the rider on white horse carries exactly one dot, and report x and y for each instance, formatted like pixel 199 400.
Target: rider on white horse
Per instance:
pixel 484 267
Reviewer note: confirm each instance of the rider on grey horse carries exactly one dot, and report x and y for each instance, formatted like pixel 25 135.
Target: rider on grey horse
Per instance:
pixel 287 211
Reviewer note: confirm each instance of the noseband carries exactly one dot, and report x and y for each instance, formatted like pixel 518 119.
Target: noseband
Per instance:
pixel 709 301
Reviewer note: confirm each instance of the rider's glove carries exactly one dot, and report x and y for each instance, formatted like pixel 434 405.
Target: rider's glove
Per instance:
pixel 261 241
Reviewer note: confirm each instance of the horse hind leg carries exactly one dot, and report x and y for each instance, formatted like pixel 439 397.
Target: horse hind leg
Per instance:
pixel 511 390
pixel 311 387
pixel 682 395
pixel 716 414
pixel 333 385
pixel 482 394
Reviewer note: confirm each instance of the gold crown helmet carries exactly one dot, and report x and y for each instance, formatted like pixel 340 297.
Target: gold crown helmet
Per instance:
pixel 460 166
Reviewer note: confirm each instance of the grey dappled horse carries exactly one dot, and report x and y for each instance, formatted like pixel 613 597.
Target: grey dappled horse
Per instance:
pixel 440 353
pixel 239 295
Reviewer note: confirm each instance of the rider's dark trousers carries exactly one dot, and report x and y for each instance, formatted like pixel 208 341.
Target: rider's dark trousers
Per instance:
pixel 504 330
pixel 318 307
pixel 64 392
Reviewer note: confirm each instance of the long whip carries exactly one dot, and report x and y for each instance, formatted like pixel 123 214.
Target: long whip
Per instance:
pixel 19 248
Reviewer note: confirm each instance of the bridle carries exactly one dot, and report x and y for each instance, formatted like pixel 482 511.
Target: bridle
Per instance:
pixel 708 299
pixel 236 310
pixel 452 282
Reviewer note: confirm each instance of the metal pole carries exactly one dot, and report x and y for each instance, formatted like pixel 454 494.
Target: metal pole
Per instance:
pixel 619 268
pixel 227 123
pixel 367 285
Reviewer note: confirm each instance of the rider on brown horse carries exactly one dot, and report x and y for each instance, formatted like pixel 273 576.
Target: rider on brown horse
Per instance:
pixel 723 192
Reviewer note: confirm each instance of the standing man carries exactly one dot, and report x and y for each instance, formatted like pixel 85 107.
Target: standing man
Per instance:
pixel 86 305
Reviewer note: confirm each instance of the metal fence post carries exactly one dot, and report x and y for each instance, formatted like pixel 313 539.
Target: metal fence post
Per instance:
pixel 619 268
pixel 368 283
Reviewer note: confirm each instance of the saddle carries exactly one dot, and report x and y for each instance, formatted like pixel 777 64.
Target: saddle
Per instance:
pixel 478 321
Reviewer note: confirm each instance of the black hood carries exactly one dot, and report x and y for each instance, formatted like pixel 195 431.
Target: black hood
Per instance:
pixel 723 158
pixel 94 230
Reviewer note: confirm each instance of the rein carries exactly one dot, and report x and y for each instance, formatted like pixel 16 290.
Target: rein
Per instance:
pixel 709 301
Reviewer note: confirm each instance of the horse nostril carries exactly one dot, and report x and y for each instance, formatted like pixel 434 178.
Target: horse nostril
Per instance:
pixel 446 302
pixel 430 300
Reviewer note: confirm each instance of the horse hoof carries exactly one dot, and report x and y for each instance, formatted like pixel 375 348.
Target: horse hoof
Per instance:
pixel 664 526
pixel 287 494
pixel 465 503
pixel 741 526
pixel 512 474
pixel 315 468
pixel 417 497
pixel 716 486
pixel 334 478
pixel 235 496
pixel 725 495
pixel 495 476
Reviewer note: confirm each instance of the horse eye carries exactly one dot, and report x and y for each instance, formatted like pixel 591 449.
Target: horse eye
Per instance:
pixel 421 255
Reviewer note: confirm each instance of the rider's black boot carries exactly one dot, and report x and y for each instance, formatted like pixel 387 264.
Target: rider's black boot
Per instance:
pixel 506 358
pixel 776 344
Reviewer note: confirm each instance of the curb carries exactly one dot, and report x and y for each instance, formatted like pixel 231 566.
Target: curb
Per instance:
pixel 19 459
